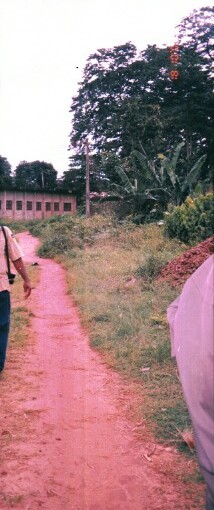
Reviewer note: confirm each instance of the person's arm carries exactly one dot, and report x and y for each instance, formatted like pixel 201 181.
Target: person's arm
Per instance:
pixel 19 265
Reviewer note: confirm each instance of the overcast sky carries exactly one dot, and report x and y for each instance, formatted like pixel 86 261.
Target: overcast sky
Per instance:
pixel 42 42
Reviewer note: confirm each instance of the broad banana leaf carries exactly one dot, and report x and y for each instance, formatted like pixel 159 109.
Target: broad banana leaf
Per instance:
pixel 125 180
pixel 148 167
pixel 119 190
pixel 146 196
pixel 175 156
pixel 170 164
pixel 194 173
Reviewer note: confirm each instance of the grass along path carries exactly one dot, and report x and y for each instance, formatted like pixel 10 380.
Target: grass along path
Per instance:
pixel 111 273
pixel 125 315
pixel 20 315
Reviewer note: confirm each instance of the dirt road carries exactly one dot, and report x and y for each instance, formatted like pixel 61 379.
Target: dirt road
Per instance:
pixel 68 444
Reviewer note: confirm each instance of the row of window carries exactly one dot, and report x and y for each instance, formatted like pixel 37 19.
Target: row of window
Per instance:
pixel 29 206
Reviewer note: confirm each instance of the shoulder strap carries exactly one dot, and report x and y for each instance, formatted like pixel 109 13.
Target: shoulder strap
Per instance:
pixel 6 249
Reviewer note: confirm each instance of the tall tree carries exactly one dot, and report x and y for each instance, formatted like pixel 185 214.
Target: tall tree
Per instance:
pixel 196 32
pixel 35 176
pixel 5 174
pixel 75 179
pixel 187 108
pixel 104 86
pixel 196 39
pixel 128 101
pixel 114 106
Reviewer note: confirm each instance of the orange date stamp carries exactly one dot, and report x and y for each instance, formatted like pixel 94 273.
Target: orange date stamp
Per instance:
pixel 174 57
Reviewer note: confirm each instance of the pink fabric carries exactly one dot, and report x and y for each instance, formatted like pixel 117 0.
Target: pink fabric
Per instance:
pixel 191 319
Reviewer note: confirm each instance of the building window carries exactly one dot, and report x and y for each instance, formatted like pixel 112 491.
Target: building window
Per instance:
pixel 38 206
pixel 48 206
pixel 56 206
pixel 29 206
pixel 67 206
pixel 9 205
pixel 19 205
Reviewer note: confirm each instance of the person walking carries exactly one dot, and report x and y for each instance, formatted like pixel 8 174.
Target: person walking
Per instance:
pixel 9 251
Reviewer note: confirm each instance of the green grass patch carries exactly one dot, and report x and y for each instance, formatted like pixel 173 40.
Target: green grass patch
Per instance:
pixel 152 265
pixel 125 313
pixel 18 225
pixel 65 234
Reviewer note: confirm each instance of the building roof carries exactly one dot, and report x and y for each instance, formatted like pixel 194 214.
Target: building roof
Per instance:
pixel 42 191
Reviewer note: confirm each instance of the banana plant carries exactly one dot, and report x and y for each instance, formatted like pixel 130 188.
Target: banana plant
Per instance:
pixel 166 179
pixel 129 190
pixel 193 175
pixel 153 187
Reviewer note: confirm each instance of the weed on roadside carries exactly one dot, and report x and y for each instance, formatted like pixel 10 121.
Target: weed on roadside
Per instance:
pixel 126 319
pixel 152 265
pixel 20 225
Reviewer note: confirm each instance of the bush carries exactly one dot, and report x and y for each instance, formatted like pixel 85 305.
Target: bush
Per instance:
pixel 14 225
pixel 56 244
pixel 192 221
pixel 152 266
pixel 63 234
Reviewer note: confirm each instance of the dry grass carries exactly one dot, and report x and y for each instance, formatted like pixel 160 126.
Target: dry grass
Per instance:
pixel 125 316
pixel 20 316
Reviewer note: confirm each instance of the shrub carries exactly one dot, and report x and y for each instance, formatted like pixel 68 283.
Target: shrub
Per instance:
pixel 193 220
pixel 152 266
pixel 62 234
pixel 56 244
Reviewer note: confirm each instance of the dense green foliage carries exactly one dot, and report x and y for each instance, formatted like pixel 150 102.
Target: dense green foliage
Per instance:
pixel 35 176
pixel 157 185
pixel 197 32
pixel 63 234
pixel 75 179
pixel 192 221
pixel 127 101
pixel 5 174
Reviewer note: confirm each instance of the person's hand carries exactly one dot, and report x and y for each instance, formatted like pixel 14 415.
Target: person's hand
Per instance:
pixel 19 266
pixel 27 288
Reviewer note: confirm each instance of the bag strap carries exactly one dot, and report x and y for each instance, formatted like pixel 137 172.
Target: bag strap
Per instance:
pixel 6 249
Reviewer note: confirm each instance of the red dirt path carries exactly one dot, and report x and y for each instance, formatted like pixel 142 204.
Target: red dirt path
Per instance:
pixel 66 443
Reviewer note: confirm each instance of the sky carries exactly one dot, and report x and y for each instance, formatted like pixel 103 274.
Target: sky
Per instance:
pixel 44 45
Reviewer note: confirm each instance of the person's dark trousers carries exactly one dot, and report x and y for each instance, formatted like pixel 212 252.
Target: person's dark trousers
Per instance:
pixel 209 500
pixel 4 325
pixel 207 473
pixel 209 479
